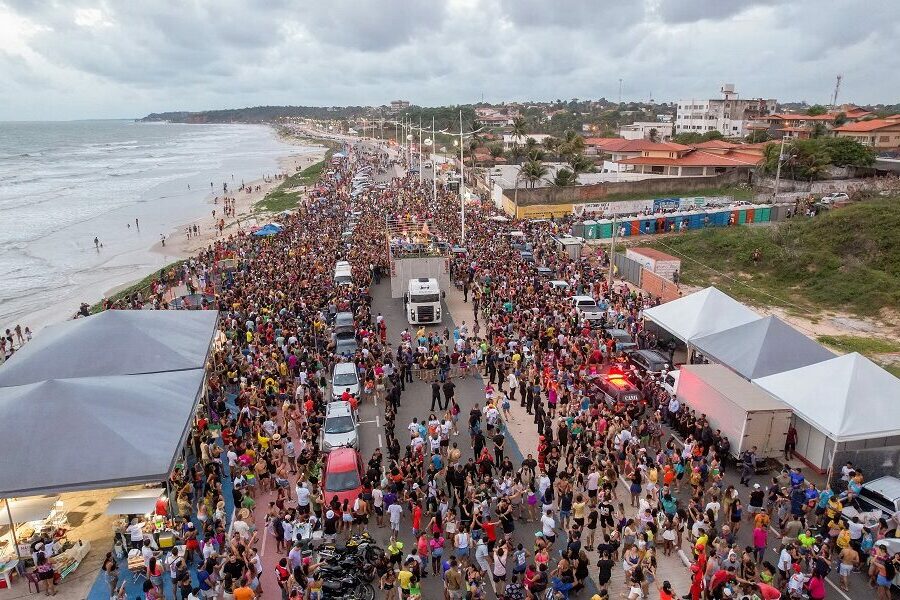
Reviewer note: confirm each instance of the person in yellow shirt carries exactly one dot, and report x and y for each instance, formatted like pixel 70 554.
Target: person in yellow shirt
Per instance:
pixel 404 577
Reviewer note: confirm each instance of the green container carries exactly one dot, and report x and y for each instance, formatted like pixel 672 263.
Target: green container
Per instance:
pixel 590 230
pixel 763 214
pixel 604 229
pixel 742 216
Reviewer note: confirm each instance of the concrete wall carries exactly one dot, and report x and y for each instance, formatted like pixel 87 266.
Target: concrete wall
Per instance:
pixel 404 269
pixel 659 186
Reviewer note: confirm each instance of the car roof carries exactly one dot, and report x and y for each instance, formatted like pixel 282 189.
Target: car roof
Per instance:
pixel 580 298
pixel 345 367
pixel 338 408
pixel 652 354
pixel 558 282
pixel 887 486
pixel 341 459
pixel 619 332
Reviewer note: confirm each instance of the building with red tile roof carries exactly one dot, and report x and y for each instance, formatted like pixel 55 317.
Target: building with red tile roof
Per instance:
pixel 881 134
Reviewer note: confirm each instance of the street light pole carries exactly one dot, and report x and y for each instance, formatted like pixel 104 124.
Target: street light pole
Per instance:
pixel 420 149
pixel 433 164
pixel 462 185
pixel 612 253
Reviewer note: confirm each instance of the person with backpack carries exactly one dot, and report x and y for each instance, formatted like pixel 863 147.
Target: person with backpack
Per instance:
pixel 748 465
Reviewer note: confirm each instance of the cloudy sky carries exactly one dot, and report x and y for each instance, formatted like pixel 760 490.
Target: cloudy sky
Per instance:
pixel 68 59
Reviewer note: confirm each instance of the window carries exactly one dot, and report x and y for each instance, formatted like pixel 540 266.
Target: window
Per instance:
pixel 884 138
pixel 657 170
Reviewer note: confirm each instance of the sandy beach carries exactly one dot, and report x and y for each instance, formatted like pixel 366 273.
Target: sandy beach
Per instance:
pixel 179 245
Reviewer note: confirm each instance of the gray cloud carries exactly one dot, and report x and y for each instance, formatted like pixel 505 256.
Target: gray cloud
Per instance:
pixel 121 58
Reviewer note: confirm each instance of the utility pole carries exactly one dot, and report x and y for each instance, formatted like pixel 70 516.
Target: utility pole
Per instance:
pixel 433 163
pixel 778 170
pixel 612 252
pixel 462 186
pixel 420 149
pixel 620 90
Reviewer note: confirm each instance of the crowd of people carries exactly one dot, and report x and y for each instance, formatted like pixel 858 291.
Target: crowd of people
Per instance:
pixel 610 490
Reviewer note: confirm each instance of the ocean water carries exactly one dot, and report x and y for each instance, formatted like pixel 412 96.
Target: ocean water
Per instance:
pixel 64 183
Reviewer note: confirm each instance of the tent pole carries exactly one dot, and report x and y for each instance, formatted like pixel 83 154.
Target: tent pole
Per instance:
pixel 12 529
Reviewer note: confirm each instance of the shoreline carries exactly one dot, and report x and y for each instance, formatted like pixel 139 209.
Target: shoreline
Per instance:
pixel 179 247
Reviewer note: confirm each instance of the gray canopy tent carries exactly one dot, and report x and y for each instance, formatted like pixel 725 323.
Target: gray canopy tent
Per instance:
pixel 103 401
pixel 762 347
pixel 114 342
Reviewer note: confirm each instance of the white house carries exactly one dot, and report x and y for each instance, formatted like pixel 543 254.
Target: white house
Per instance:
pixel 640 130
pixel 729 115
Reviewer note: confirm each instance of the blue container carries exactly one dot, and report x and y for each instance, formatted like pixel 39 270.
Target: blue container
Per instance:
pixel 721 218
pixel 695 220
pixel 648 225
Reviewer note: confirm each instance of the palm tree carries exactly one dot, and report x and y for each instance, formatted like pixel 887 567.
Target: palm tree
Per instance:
pixel 564 178
pixel 514 154
pixel 530 144
pixel 579 163
pixel 533 171
pixel 496 150
pixel 550 144
pixel 519 127
pixel 654 135
pixel 535 154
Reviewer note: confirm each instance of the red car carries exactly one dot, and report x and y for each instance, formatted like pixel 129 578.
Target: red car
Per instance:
pixel 343 476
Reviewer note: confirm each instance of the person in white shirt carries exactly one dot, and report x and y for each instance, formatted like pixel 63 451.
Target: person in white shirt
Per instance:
pixel 135 532
pixel 302 498
pixel 548 527
pixel 394 511
pixel 378 505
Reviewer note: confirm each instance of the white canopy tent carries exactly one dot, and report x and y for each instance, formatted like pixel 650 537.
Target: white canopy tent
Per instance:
pixel 701 313
pixel 844 400
pixel 25 510
pixel 135 502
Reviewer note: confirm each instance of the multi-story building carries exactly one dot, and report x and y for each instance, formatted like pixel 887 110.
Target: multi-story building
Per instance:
pixel 880 134
pixel 728 115
pixel 645 130
pixel 399 104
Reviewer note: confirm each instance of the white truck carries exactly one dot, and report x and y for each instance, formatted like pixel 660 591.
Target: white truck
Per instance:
pixel 746 414
pixel 423 301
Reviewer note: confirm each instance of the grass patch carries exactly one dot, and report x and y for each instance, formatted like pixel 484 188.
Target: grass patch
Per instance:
pixel 738 192
pixel 141 286
pixel 847 260
pixel 856 343
pixel 893 370
pixel 281 198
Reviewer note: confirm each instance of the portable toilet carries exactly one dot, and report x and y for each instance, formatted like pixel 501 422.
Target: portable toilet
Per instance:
pixel 721 217
pixel 635 226
pixel 762 214
pixel 578 229
pixel 695 219
pixel 604 229
pixel 590 230
pixel 741 216
pixel 660 223
pixel 751 214
pixel 648 224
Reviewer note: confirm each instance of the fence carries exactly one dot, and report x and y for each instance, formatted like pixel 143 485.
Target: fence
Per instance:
pixel 628 269
pixel 657 285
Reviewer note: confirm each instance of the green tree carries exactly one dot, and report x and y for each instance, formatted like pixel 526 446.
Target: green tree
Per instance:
pixel 514 154
pixel 551 144
pixel 840 119
pixel 816 110
pixel 688 138
pixel 519 127
pixel 496 150
pixel 533 171
pixel 846 152
pixel 760 135
pixel 654 135
pixel 535 153
pixel 564 178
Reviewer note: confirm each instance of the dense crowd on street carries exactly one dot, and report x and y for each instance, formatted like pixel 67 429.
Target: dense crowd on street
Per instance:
pixel 606 495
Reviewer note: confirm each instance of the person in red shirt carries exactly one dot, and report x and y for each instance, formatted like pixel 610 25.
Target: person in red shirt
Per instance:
pixel 490 532
pixel 696 582
pixel 416 519
pixel 768 592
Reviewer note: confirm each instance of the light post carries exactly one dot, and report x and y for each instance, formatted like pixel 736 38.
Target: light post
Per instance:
pixel 462 181
pixel 778 170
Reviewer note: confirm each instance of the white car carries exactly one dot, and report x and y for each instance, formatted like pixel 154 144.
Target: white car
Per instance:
pixel 344 378
pixel 340 428
pixel 559 284
pixel 835 197
pixel 670 382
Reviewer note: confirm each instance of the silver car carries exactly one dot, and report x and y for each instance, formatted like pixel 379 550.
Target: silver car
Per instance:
pixel 340 429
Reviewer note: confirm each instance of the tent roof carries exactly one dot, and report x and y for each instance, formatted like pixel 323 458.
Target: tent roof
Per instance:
pixel 95 432
pixel 734 387
pixel 762 347
pixel 135 502
pixel 114 342
pixel 25 510
pixel 848 397
pixel 701 313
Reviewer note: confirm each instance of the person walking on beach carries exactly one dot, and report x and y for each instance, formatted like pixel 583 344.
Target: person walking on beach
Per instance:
pixel 96 243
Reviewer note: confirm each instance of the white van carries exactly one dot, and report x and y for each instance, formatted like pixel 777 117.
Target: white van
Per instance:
pixel 423 301
pixel 344 378
pixel 340 428
pixel 343 273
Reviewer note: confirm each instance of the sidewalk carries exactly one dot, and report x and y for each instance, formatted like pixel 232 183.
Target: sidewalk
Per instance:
pixel 524 432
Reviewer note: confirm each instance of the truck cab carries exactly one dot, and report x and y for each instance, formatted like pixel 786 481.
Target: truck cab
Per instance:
pixel 423 301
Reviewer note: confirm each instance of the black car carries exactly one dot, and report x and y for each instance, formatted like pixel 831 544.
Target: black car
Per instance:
pixel 648 361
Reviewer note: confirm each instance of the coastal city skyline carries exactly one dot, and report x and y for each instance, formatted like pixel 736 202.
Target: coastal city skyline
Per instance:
pixel 118 60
